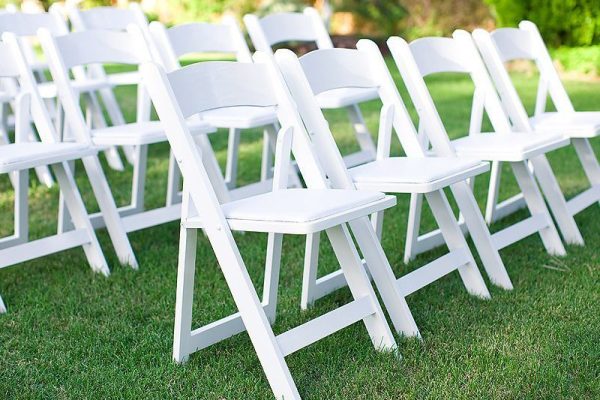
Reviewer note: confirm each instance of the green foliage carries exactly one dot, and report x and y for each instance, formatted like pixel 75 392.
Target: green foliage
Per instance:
pixel 579 59
pixel 562 22
pixel 385 15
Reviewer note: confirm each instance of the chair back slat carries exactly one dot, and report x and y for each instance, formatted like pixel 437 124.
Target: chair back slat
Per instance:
pixel 101 47
pixel 198 37
pixel 8 66
pixel 434 55
pixel 109 18
pixel 330 69
pixel 222 84
pixel 26 24
pixel 285 27
pixel 513 44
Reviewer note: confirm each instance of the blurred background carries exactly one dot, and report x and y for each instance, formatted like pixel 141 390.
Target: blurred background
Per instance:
pixel 570 27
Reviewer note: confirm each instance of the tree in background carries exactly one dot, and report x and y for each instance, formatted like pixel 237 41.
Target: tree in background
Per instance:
pixel 561 22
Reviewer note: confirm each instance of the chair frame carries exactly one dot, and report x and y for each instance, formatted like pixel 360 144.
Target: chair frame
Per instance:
pixel 470 63
pixel 308 27
pixel 531 47
pixel 175 97
pixel 337 68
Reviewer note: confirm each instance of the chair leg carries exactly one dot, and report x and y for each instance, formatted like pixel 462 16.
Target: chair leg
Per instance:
pixel 588 159
pixel 173 182
pixel 110 213
pixel 360 286
pixel 377 222
pixel 139 177
pixel 480 234
pixel 536 205
pixel 80 217
pixel 493 190
pixel 2 306
pixel 383 276
pixel 233 151
pixel 455 239
pixel 413 227
pixel 266 165
pixel 272 268
pixel 311 263
pixel 365 141
pixel 556 200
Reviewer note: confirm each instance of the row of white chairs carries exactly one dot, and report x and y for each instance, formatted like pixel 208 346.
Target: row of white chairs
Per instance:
pixel 286 94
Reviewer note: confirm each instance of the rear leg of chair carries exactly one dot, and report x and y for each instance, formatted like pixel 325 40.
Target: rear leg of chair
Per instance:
pixel 413 227
pixel 455 240
pixel 271 282
pixel 537 206
pixel 384 278
pixel 2 306
pixel 493 192
pixel 311 264
pixel 360 286
pixel 589 162
pixel 233 151
pixel 480 234
pixel 139 177
pixel 80 217
pixel 556 200
pixel 20 181
pixel 365 140
pixel 266 164
pixel 109 211
pixel 173 182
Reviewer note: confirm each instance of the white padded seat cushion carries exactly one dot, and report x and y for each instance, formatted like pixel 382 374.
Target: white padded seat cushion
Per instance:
pixel 242 117
pixel 21 155
pixel 343 97
pixel 298 205
pixel 142 132
pixel 575 124
pixel 509 146
pixel 411 169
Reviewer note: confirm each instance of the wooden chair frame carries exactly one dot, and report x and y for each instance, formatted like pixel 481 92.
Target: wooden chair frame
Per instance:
pixel 525 42
pixel 175 96
pixel 458 54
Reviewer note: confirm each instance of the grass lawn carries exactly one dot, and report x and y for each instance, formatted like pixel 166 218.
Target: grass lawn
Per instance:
pixel 70 333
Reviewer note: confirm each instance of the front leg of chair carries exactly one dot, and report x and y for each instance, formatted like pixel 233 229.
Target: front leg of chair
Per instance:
pixel 556 200
pixel 233 151
pixel 480 234
pixel 588 159
pixel 272 268
pixel 455 240
pixel 377 222
pixel 384 278
pixel 311 264
pixel 536 205
pixel 493 190
pixel 413 227
pixel 360 286
pixel 139 177
pixel 80 217
pixel 173 182
pixel 109 211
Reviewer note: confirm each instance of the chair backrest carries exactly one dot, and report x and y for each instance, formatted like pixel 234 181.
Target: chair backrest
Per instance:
pixel 14 64
pixel 524 42
pixel 287 27
pixel 198 37
pixel 109 18
pixel 88 48
pixel 427 56
pixel 27 24
pixel 330 69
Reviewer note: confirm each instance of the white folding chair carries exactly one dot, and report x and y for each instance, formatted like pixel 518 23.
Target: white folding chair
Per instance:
pixel 213 85
pixel 224 37
pixel 26 25
pixel 427 56
pixel 509 44
pixel 102 47
pixel 17 158
pixel 334 69
pixel 308 26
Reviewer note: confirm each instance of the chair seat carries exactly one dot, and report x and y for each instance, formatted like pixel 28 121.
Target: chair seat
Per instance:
pixel 48 89
pixel 415 175
pixel 139 133
pixel 338 98
pixel 19 156
pixel 240 117
pixel 585 124
pixel 301 211
pixel 510 146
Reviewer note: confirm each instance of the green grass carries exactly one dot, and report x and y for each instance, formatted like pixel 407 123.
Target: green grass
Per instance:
pixel 70 333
